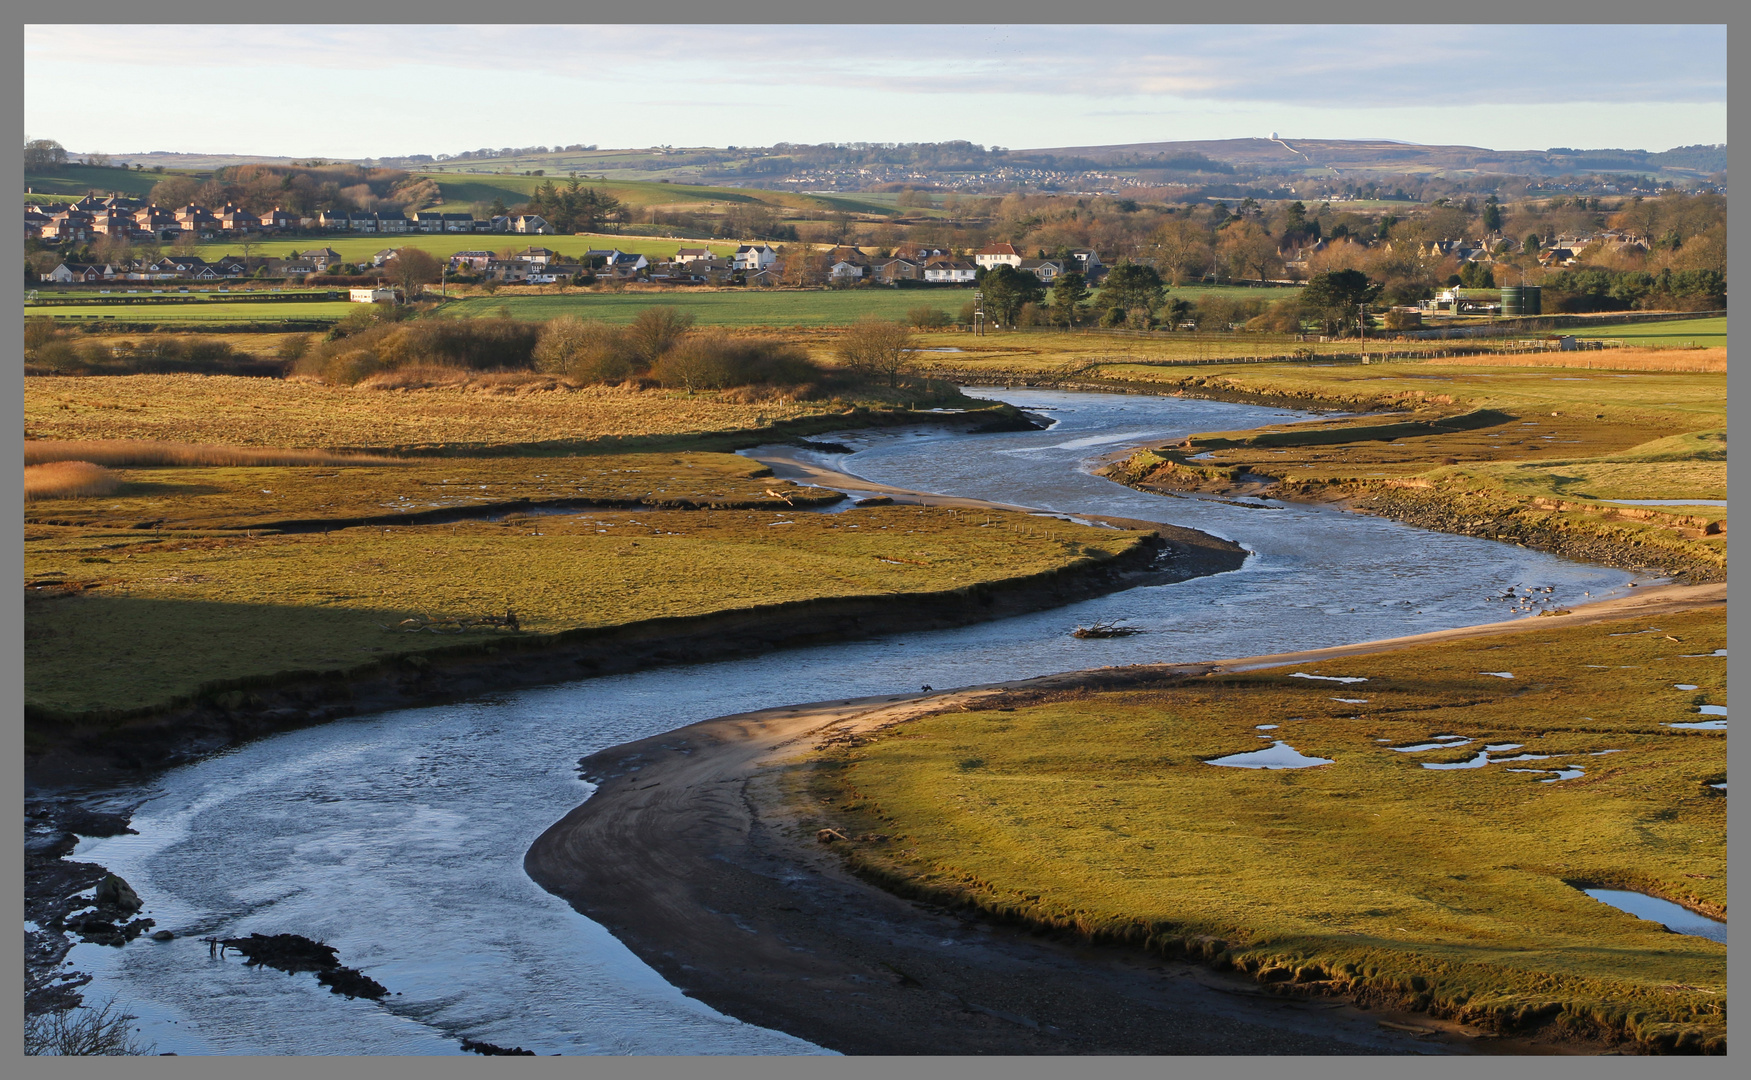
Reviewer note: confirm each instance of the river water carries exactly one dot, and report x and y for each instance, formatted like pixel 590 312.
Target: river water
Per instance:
pixel 398 838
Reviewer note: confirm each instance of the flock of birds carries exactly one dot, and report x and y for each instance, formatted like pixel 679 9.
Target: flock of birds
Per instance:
pixel 1530 599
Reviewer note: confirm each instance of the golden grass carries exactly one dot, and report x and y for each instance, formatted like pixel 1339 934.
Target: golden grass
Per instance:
pixel 171 614
pixel 251 497
pixel 137 453
pixel 1455 890
pixel 67 480
pixel 1702 360
pixel 282 413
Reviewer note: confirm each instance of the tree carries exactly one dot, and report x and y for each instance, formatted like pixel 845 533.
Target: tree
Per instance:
pixel 1335 294
pixel 1248 249
pixel 1180 250
pixel 41 154
pixel 1006 290
pixel 655 331
pixel 877 349
pixel 411 268
pixel 1132 287
pixel 1068 304
pixel 1492 214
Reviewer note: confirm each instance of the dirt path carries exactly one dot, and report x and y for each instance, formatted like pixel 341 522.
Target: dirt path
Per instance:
pixel 691 854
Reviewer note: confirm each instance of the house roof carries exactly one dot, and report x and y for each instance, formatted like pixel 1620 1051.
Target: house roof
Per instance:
pixel 999 249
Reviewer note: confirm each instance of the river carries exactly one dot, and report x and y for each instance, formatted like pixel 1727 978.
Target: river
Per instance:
pixel 398 838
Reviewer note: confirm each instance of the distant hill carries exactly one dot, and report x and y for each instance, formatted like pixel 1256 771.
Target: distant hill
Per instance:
pixel 1381 155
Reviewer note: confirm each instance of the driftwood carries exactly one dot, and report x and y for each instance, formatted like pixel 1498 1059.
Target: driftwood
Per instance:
pixel 781 496
pixel 507 621
pixel 1105 630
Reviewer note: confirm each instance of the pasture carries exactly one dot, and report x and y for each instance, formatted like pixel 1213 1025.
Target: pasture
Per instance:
pixel 1677 334
pixel 1403 867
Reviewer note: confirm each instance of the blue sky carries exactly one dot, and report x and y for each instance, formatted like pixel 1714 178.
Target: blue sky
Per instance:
pixel 356 91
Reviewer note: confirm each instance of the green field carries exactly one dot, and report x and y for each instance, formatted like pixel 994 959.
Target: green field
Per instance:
pixel 197 311
pixel 1451 889
pixel 1679 333
pixel 751 307
pixel 80 179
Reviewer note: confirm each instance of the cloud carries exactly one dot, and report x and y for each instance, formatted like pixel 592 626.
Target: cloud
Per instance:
pixel 1333 65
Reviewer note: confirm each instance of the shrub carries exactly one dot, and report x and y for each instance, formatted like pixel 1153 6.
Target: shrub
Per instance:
pixel 89 1032
pixel 588 351
pixel 925 318
pixel 67 480
pixel 716 361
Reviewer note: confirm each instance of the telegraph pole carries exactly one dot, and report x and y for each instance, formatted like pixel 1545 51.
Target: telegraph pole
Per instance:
pixel 978 313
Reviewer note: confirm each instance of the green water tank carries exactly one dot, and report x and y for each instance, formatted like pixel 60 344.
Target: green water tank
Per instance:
pixel 1522 300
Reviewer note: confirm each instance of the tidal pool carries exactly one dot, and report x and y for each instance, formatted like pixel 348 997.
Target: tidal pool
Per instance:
pixel 1674 917
pixel 1279 755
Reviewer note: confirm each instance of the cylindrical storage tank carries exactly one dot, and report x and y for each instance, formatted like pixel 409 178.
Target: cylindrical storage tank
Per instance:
pixel 1531 300
pixel 1512 299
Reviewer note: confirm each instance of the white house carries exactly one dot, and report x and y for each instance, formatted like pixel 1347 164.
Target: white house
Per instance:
pixel 846 271
pixel 755 256
pixel 530 223
pixel 997 255
pixel 688 255
pixel 950 271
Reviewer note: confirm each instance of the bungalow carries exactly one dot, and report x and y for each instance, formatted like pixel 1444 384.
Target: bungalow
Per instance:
pixel 298 268
pixel 767 275
pixel 692 254
pixel 67 273
pixel 755 256
pixel 844 253
pixel 1047 270
pixel 622 260
pixel 846 270
pixel 945 270
pixel 474 260
pixel 714 271
pixel 530 223
pixel 995 255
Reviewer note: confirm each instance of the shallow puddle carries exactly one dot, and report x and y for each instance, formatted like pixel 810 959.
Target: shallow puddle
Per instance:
pixel 1684 686
pixel 1352 700
pixel 1279 755
pixel 1420 747
pixel 1498 674
pixel 1331 678
pixel 1674 917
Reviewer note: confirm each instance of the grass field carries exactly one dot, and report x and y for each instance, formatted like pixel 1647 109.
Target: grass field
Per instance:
pixel 197 312
pixel 77 180
pixel 170 614
pixel 1679 333
pixel 1455 889
pixel 273 412
pixel 751 307
pixel 254 497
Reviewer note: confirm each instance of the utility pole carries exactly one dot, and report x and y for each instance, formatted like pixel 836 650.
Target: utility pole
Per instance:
pixel 978 313
pixel 1362 326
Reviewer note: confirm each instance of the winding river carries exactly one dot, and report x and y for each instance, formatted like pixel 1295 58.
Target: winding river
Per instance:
pixel 399 837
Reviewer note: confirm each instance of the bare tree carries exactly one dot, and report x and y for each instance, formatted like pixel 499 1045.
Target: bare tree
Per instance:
pixel 410 269
pixel 879 350
pixel 84 1032
pixel 1180 250
pixel 655 331
pixel 1248 249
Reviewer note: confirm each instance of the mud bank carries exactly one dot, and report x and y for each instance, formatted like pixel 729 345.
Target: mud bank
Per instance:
pixel 94 749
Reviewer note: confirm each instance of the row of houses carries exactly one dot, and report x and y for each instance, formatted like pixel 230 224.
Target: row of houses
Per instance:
pixel 131 219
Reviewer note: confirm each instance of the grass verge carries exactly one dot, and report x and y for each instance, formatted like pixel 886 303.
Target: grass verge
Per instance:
pixel 1455 890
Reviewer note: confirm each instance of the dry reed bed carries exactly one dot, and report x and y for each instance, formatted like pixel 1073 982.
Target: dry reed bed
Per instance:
pixel 141 453
pixel 278 413
pixel 68 480
pixel 1704 360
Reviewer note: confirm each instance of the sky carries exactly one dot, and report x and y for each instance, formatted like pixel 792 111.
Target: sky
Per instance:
pixel 376 91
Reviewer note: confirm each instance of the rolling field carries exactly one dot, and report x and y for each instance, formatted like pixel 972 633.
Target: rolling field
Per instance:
pixel 1398 868
pixel 76 180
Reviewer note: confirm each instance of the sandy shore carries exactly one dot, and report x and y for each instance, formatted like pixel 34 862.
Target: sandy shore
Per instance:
pixel 691 854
